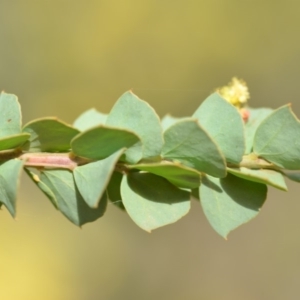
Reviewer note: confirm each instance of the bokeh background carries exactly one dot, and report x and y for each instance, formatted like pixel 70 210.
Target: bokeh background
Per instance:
pixel 63 57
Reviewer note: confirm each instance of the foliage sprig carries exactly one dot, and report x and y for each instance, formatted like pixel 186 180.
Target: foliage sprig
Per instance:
pixel 224 156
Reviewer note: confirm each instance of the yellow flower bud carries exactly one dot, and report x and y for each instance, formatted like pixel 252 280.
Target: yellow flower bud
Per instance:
pixel 236 92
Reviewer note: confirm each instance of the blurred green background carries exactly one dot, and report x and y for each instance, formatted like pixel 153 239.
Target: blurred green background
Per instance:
pixel 63 57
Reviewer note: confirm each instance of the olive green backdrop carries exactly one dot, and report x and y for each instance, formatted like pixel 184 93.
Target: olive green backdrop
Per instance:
pixel 63 57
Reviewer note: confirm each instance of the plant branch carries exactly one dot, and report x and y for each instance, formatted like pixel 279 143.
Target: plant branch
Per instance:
pixel 52 160
pixel 70 161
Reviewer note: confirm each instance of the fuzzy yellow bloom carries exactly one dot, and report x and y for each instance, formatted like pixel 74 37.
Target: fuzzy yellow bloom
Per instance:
pixel 236 92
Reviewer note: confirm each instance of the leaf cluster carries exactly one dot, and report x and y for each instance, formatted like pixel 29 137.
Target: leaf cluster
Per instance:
pixel 148 167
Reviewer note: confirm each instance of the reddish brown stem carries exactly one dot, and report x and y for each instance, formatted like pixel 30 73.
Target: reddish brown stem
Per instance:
pixel 52 160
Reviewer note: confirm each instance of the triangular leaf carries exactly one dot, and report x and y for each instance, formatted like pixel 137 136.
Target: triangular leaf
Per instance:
pixel 10 115
pixel 102 141
pixel 151 201
pixel 114 190
pixel 10 172
pixel 195 193
pixel 292 175
pixel 49 135
pixel 136 115
pixel 256 116
pixel 230 202
pixel 89 119
pixel 69 200
pixel 92 179
pixel 277 139
pixel 178 175
pixel 265 176
pixel 224 124
pixel 188 143
pixel 13 141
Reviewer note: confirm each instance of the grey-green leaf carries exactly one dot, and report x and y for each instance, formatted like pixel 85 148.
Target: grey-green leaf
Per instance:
pixel 13 141
pixel 151 201
pixel 224 124
pixel 10 115
pixel 256 116
pixel 49 135
pixel 277 139
pixel 177 174
pixel 136 115
pixel 114 190
pixel 69 200
pixel 292 175
pixel 92 179
pixel 265 176
pixel 102 141
pixel 230 202
pixel 89 119
pixel 10 172
pixel 187 142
